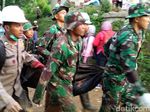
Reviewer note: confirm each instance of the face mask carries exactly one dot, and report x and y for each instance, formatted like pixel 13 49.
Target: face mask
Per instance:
pixel 2 29
pixel 13 37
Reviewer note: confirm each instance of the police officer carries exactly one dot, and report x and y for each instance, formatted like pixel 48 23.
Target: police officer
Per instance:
pixel 12 96
pixel 121 85
pixel 65 53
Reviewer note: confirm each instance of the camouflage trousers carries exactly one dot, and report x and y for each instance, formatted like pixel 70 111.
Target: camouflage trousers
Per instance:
pixel 56 103
pixel 118 96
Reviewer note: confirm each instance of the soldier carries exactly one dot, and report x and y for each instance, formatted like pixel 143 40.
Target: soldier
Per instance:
pixel 54 31
pixel 65 54
pixel 121 85
pixel 28 35
pixel 12 96
pixel 27 70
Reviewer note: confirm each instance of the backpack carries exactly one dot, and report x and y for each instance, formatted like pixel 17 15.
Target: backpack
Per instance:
pixel 2 54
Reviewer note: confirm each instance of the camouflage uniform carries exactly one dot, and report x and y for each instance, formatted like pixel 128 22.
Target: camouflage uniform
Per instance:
pixel 29 44
pixel 65 55
pixel 51 34
pixel 55 31
pixel 122 54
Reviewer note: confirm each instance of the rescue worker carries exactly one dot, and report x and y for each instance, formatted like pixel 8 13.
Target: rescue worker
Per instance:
pixel 58 12
pixel 121 84
pixel 28 36
pixel 65 54
pixel 87 56
pixel 12 96
pixel 27 70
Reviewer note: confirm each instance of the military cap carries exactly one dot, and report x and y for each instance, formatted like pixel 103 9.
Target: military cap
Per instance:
pixel 27 26
pixel 73 19
pixel 58 8
pixel 137 10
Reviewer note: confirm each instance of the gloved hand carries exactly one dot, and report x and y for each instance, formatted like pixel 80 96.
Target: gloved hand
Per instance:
pixel 37 64
pixel 13 107
pixel 144 100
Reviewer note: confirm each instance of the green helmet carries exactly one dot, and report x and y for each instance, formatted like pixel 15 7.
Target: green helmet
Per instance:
pixel 58 8
pixel 27 26
pixel 140 9
pixel 73 19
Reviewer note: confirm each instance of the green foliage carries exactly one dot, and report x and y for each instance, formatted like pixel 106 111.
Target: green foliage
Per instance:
pixel 44 6
pixel 105 6
pixel 46 10
pixel 117 25
pixel 144 62
pixel 44 24
pixel 95 15
pixel 91 9
pixel 30 13
pixel 30 8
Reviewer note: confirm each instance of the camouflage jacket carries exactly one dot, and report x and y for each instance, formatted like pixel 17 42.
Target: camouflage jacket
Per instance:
pixel 29 45
pixel 44 44
pixel 123 50
pixel 65 55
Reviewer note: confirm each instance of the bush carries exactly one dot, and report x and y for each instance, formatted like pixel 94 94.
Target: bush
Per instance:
pixel 30 13
pixel 117 25
pixel 144 62
pixel 46 10
pixel 105 6
pixel 44 24
pixel 96 15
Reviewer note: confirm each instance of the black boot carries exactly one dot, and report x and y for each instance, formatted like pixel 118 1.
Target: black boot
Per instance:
pixel 86 102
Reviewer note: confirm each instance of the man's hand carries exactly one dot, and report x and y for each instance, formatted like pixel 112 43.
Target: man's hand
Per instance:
pixel 13 107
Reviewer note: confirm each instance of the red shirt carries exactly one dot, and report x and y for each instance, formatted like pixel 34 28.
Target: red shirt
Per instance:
pixel 101 38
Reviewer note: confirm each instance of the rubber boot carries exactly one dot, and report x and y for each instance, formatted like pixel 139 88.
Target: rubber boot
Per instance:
pixel 85 101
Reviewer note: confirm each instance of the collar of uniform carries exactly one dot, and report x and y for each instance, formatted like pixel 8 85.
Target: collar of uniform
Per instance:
pixel 130 28
pixel 140 34
pixel 76 44
pixel 6 41
pixel 60 28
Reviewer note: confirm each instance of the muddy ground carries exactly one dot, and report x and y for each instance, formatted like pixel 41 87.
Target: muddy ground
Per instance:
pixel 95 98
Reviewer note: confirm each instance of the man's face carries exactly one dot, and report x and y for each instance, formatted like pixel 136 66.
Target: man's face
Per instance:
pixel 143 22
pixel 16 29
pixel 60 15
pixel 86 28
pixel 29 33
pixel 80 30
